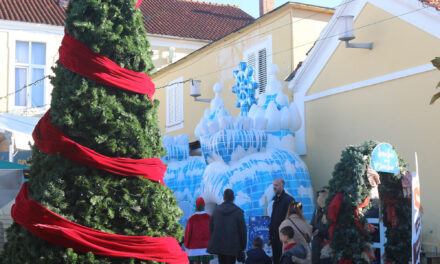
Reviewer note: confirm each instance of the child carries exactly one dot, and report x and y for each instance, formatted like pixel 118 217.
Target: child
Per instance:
pixel 291 250
pixel 256 255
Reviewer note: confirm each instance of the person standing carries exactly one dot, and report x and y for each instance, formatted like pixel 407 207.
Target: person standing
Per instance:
pixel 320 228
pixel 228 231
pixel 302 230
pixel 197 235
pixel 281 201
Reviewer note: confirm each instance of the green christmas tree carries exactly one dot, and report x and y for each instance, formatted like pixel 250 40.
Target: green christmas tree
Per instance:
pixel 110 121
pixel 350 179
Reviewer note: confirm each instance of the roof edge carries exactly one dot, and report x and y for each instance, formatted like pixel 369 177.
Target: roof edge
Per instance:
pixel 266 16
pixel 303 79
pixel 5 24
pixel 312 7
pixel 210 3
pixel 177 38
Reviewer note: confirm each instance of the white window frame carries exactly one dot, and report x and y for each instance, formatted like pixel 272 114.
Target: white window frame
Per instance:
pixel 174 105
pixel 264 44
pixel 51 40
pixel 29 66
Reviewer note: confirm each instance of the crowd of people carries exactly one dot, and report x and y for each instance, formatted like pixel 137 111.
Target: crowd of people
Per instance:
pixel 224 232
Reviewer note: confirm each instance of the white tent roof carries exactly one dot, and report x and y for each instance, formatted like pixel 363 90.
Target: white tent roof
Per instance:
pixel 20 126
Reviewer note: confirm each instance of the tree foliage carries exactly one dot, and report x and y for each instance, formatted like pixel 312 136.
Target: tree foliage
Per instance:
pixel 112 122
pixel 350 179
pixel 436 63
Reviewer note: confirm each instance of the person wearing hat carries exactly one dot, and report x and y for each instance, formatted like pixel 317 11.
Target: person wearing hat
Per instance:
pixel 197 235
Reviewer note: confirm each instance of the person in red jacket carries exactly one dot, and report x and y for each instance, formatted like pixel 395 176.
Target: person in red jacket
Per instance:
pixel 197 235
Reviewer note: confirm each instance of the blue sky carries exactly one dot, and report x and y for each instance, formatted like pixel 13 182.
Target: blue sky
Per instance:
pixel 251 6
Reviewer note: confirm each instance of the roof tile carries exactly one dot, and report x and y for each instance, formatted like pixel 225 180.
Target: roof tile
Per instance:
pixel 192 19
pixel 180 18
pixel 433 3
pixel 33 11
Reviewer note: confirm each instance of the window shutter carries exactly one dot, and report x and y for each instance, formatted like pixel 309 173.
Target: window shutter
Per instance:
pixel 174 104
pixel 170 105
pixel 258 60
pixel 251 58
pixel 179 102
pixel 262 70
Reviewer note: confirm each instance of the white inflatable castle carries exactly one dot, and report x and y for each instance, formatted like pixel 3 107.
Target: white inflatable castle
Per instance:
pixel 244 153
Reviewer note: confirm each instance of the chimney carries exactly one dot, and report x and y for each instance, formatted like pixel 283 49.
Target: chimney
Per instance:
pixel 266 6
pixel 63 3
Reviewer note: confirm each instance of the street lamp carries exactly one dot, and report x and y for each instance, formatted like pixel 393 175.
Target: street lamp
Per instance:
pixel 195 91
pixel 346 33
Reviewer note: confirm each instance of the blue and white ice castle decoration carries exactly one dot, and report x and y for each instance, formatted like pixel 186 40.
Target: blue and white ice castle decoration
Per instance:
pixel 245 153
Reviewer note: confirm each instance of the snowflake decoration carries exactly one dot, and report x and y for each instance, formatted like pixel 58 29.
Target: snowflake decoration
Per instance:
pixel 244 88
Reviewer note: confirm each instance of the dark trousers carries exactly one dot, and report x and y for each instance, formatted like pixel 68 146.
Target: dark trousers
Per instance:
pixel 225 259
pixel 277 250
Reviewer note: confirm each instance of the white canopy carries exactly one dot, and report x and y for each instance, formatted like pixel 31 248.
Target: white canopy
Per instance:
pixel 20 127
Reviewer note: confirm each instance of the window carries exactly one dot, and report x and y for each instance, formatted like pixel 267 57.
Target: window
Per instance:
pixel 174 105
pixel 30 63
pixel 259 57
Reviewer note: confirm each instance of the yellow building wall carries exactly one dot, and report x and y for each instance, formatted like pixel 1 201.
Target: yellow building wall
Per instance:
pixel 396 111
pixel 306 27
pixel 397 46
pixel 217 62
pixel 3 70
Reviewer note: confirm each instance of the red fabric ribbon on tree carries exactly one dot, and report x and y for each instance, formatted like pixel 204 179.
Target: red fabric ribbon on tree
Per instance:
pixel 80 59
pixel 139 2
pixel 51 140
pixel 55 229
pixel 333 212
pixel 356 214
pixel 391 210
pixel 345 261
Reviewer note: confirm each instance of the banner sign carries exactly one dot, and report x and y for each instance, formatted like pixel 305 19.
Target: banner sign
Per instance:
pixel 259 227
pixel 416 237
pixel 384 159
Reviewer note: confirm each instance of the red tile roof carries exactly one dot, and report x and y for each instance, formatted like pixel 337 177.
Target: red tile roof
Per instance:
pixel 180 18
pixel 433 3
pixel 192 19
pixel 33 11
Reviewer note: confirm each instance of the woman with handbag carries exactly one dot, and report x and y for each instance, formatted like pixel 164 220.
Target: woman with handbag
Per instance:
pixel 302 230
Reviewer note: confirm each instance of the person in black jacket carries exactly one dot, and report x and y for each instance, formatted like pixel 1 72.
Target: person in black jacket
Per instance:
pixel 228 231
pixel 320 228
pixel 281 202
